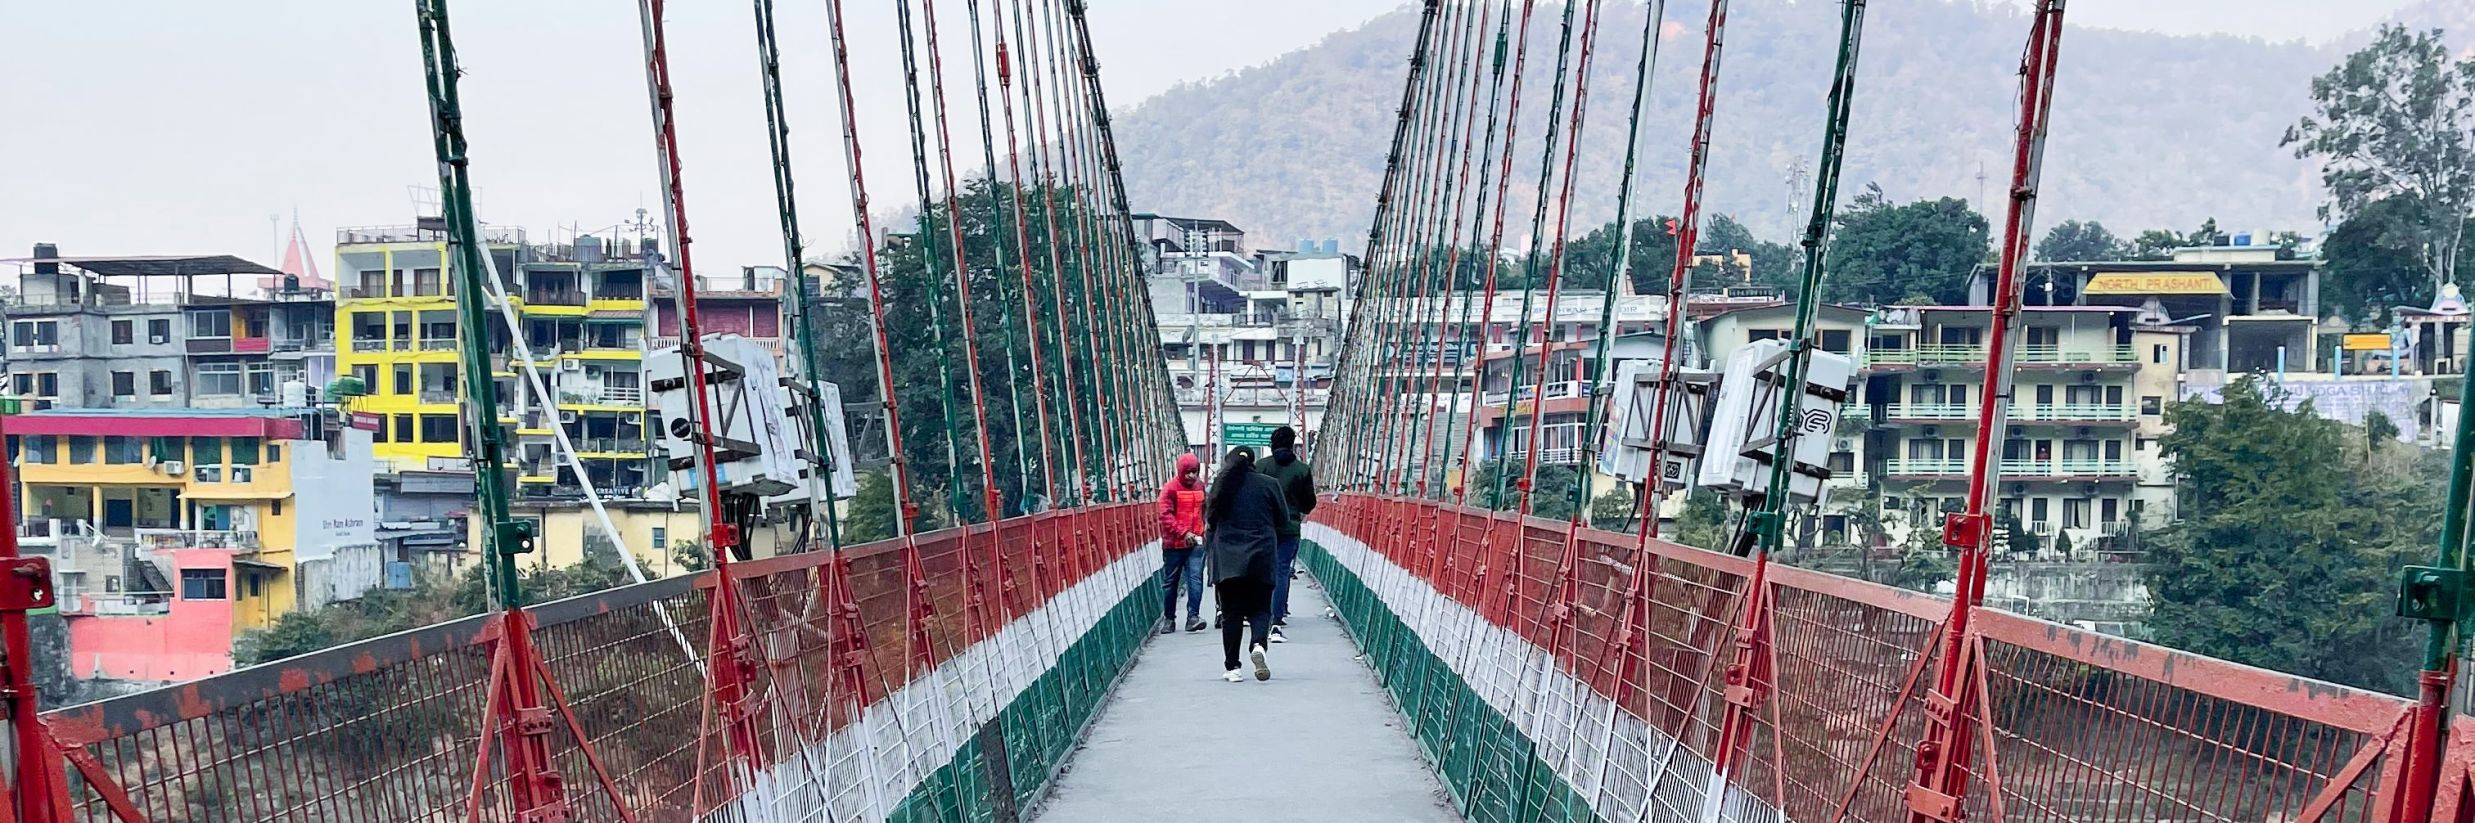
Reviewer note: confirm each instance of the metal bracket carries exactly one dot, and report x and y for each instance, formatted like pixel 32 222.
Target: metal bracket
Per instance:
pixel 2433 593
pixel 1961 530
pixel 25 584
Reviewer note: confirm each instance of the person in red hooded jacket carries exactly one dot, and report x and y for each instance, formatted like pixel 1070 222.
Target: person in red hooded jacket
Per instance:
pixel 1181 544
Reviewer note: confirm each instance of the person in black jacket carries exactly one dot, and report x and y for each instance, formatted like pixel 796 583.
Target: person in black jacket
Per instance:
pixel 1297 484
pixel 1242 518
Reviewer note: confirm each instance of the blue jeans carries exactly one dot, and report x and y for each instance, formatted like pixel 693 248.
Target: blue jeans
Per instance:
pixel 1173 561
pixel 1285 561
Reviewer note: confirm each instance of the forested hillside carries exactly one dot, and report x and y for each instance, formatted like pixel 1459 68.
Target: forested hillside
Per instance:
pixel 2149 130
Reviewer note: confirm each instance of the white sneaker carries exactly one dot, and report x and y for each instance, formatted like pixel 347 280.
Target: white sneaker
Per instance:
pixel 1277 637
pixel 1263 671
pixel 1233 676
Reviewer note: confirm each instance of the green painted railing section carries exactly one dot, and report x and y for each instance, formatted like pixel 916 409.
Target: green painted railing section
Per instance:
pixel 1491 769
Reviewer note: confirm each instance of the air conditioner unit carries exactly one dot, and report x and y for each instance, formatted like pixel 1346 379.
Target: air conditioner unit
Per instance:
pixel 2019 488
pixel 566 416
pixel 2017 431
pixel 1932 431
pixel 571 365
pixel 174 467
pixel 158 339
pixel 2088 377
pixel 1931 375
pixel 2083 431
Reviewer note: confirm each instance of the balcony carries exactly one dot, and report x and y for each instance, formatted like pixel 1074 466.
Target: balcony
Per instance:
pixel 362 345
pixel 424 233
pixel 1974 355
pixel 1931 411
pixel 299 345
pixel 163 539
pixel 252 345
pixel 209 345
pixel 554 297
pixel 2067 468
pixel 611 445
pixel 438 344
pixel 1926 467
pixel 630 396
pixel 2075 413
pixel 1555 391
pixel 438 396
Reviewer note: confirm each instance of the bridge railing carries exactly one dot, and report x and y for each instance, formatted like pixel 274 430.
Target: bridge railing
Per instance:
pixel 1829 681
pixel 393 728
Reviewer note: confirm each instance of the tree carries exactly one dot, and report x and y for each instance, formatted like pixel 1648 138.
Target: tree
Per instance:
pixel 2073 240
pixel 870 516
pixel 2156 244
pixel 1551 492
pixel 1614 510
pixel 2372 262
pixel 1588 259
pixel 2397 120
pixel 1921 251
pixel 2293 527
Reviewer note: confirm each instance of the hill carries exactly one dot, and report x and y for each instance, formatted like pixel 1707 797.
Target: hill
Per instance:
pixel 2150 130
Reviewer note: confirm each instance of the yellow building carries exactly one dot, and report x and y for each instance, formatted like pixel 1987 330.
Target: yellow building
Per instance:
pixel 652 531
pixel 150 508
pixel 396 331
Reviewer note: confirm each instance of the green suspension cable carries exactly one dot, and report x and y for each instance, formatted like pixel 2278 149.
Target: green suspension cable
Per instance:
pixel 778 136
pixel 1529 278
pixel 1623 256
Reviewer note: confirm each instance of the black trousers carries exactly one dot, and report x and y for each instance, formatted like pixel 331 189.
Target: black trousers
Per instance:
pixel 1244 602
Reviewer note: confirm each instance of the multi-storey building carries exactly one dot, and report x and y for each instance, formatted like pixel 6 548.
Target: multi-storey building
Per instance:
pixel 173 531
pixel 396 335
pixel 1249 336
pixel 2248 308
pixel 162 332
pixel 2079 461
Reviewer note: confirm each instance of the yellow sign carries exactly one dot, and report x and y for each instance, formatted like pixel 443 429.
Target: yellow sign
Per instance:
pixel 2367 342
pixel 2172 282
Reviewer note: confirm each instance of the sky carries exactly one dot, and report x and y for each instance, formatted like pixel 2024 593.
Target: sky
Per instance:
pixel 176 127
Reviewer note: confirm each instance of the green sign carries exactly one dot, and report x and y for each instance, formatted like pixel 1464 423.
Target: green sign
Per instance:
pixel 1247 434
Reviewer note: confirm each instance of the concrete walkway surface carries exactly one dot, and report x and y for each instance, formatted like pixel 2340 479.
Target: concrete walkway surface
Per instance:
pixel 1319 742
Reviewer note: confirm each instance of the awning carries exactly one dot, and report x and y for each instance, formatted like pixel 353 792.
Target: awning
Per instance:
pixel 198 491
pixel 260 566
pixel 2165 282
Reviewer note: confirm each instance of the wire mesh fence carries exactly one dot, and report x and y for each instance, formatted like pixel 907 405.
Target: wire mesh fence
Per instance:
pixel 985 650
pixel 1554 673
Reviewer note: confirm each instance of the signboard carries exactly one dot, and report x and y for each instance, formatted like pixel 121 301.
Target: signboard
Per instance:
pixel 1258 435
pixel 2170 282
pixel 2375 341
pixel 368 421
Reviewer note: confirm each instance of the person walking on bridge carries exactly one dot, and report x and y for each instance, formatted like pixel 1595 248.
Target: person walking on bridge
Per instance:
pixel 1181 544
pixel 1244 515
pixel 1297 483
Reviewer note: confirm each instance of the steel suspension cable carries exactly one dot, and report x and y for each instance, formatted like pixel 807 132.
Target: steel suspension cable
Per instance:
pixel 1341 403
pixel 1109 360
pixel 1022 247
pixel 794 255
pixel 955 494
pixel 1035 104
pixel 730 667
pixel 1485 302
pixel 1451 274
pixel 1688 232
pixel 1622 262
pixel 1102 385
pixel 1495 240
pixel 1555 265
pixel 1529 278
pixel 993 506
pixel 1392 406
pixel 1435 259
pixel 997 210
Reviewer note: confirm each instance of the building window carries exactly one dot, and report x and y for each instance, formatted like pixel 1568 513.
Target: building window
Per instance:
pixel 2152 405
pixel 244 451
pixel 25 385
pixel 210 324
pixel 661 539
pixel 206 451
pixel 403 379
pixel 368 375
pixel 81 449
pixel 124 384
pixel 217 379
pixel 275 454
pixel 261 378
pixel 159 382
pixel 1758 335
pixel 2144 444
pixel 2109 511
pixel 2037 511
pixel 159 330
pixel 40 448
pixel 124 332
pixel 35 333
pixel 2113 451
pixel 438 428
pixel 255 582
pixel 2044 336
pixel 47 384
pixel 2075 513
pixel 2157 353
pixel 202 584
pixel 123 450
pixel 1842 462
pixel 1835 340
pixel 404 429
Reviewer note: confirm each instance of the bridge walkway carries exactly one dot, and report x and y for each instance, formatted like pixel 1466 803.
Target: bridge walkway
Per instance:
pixel 1319 742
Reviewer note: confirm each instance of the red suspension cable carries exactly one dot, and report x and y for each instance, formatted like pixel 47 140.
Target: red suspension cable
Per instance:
pixel 1555 263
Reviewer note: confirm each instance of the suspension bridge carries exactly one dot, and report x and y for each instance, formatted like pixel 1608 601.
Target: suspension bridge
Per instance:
pixel 995 656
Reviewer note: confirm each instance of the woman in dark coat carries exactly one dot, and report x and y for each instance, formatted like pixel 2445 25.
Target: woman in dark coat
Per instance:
pixel 1242 517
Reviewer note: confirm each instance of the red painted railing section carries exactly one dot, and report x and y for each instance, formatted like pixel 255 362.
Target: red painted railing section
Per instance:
pixel 386 729
pixel 2068 724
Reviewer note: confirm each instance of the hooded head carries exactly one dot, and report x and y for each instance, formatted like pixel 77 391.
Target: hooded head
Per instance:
pixel 1284 445
pixel 1189 470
